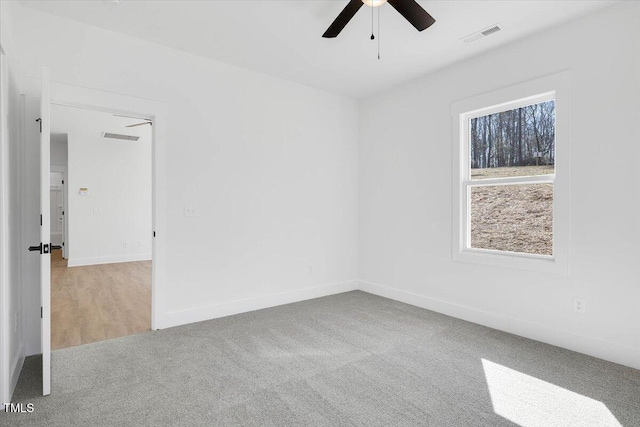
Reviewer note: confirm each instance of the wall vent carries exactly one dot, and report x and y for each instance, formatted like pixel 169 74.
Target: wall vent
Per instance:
pixel 482 33
pixel 120 136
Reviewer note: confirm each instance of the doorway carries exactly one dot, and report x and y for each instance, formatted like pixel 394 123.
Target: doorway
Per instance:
pixel 57 203
pixel 101 215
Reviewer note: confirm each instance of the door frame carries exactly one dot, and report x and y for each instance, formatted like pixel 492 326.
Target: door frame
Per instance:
pixel 63 94
pixel 5 385
pixel 65 208
pixel 58 188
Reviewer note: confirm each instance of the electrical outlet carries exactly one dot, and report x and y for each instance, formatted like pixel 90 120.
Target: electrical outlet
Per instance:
pixel 190 211
pixel 579 305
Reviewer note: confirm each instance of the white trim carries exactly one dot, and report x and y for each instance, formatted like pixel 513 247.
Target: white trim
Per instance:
pixel 555 86
pixel 537 179
pixel 18 361
pixel 624 355
pixel 22 202
pixel 468 183
pixel 183 317
pixel 506 104
pixel 115 259
pixel 508 253
pixel 5 321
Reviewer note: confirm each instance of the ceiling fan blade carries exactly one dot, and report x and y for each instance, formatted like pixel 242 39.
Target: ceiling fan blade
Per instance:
pixel 343 19
pixel 139 124
pixel 414 13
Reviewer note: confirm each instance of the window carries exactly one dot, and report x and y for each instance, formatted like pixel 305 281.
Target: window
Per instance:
pixel 510 202
pixel 509 178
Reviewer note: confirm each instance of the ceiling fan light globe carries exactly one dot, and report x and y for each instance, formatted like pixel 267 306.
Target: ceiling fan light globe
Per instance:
pixel 374 3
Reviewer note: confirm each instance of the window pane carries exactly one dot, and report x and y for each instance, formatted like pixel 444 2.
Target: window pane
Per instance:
pixel 515 218
pixel 518 142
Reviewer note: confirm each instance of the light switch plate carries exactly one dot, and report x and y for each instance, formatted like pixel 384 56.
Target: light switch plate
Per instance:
pixel 190 211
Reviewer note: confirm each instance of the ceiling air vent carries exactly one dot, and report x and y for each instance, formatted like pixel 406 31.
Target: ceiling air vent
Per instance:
pixel 482 33
pixel 120 136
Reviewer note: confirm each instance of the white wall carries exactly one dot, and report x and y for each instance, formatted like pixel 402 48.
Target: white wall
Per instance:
pixel 113 222
pixel 273 169
pixel 11 316
pixel 270 166
pixel 405 180
pixel 59 149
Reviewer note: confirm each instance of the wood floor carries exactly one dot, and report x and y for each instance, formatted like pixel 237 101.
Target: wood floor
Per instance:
pixel 98 302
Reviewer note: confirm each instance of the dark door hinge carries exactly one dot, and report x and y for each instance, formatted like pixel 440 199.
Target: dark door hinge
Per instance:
pixel 39 120
pixel 41 220
pixel 41 312
pixel 154 234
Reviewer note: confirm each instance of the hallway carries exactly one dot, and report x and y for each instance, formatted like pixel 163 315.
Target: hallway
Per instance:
pixel 98 302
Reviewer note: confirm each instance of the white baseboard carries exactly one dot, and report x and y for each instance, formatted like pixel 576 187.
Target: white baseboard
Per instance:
pixel 16 368
pixel 78 262
pixel 183 317
pixel 624 355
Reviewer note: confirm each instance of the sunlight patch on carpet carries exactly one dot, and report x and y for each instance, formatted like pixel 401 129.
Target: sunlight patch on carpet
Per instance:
pixel 531 402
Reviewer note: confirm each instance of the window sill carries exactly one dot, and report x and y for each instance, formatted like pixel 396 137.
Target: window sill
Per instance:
pixel 512 260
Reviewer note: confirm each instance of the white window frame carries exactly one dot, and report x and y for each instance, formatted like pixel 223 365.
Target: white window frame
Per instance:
pixel 554 87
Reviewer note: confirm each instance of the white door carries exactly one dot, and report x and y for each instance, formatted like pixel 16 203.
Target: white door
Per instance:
pixel 45 231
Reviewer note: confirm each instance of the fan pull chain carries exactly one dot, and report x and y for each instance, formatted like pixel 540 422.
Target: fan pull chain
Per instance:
pixel 372 36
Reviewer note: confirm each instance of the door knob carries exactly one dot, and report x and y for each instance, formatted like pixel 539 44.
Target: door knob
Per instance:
pixel 44 248
pixel 36 248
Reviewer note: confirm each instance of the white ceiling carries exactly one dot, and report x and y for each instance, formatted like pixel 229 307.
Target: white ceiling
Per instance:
pixel 282 38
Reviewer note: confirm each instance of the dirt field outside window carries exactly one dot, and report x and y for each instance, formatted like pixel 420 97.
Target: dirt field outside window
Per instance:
pixel 515 218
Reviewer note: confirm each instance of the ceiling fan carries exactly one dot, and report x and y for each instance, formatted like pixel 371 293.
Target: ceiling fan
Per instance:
pixel 146 122
pixel 412 12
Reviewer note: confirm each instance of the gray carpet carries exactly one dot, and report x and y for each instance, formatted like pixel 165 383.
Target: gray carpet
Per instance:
pixel 349 359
